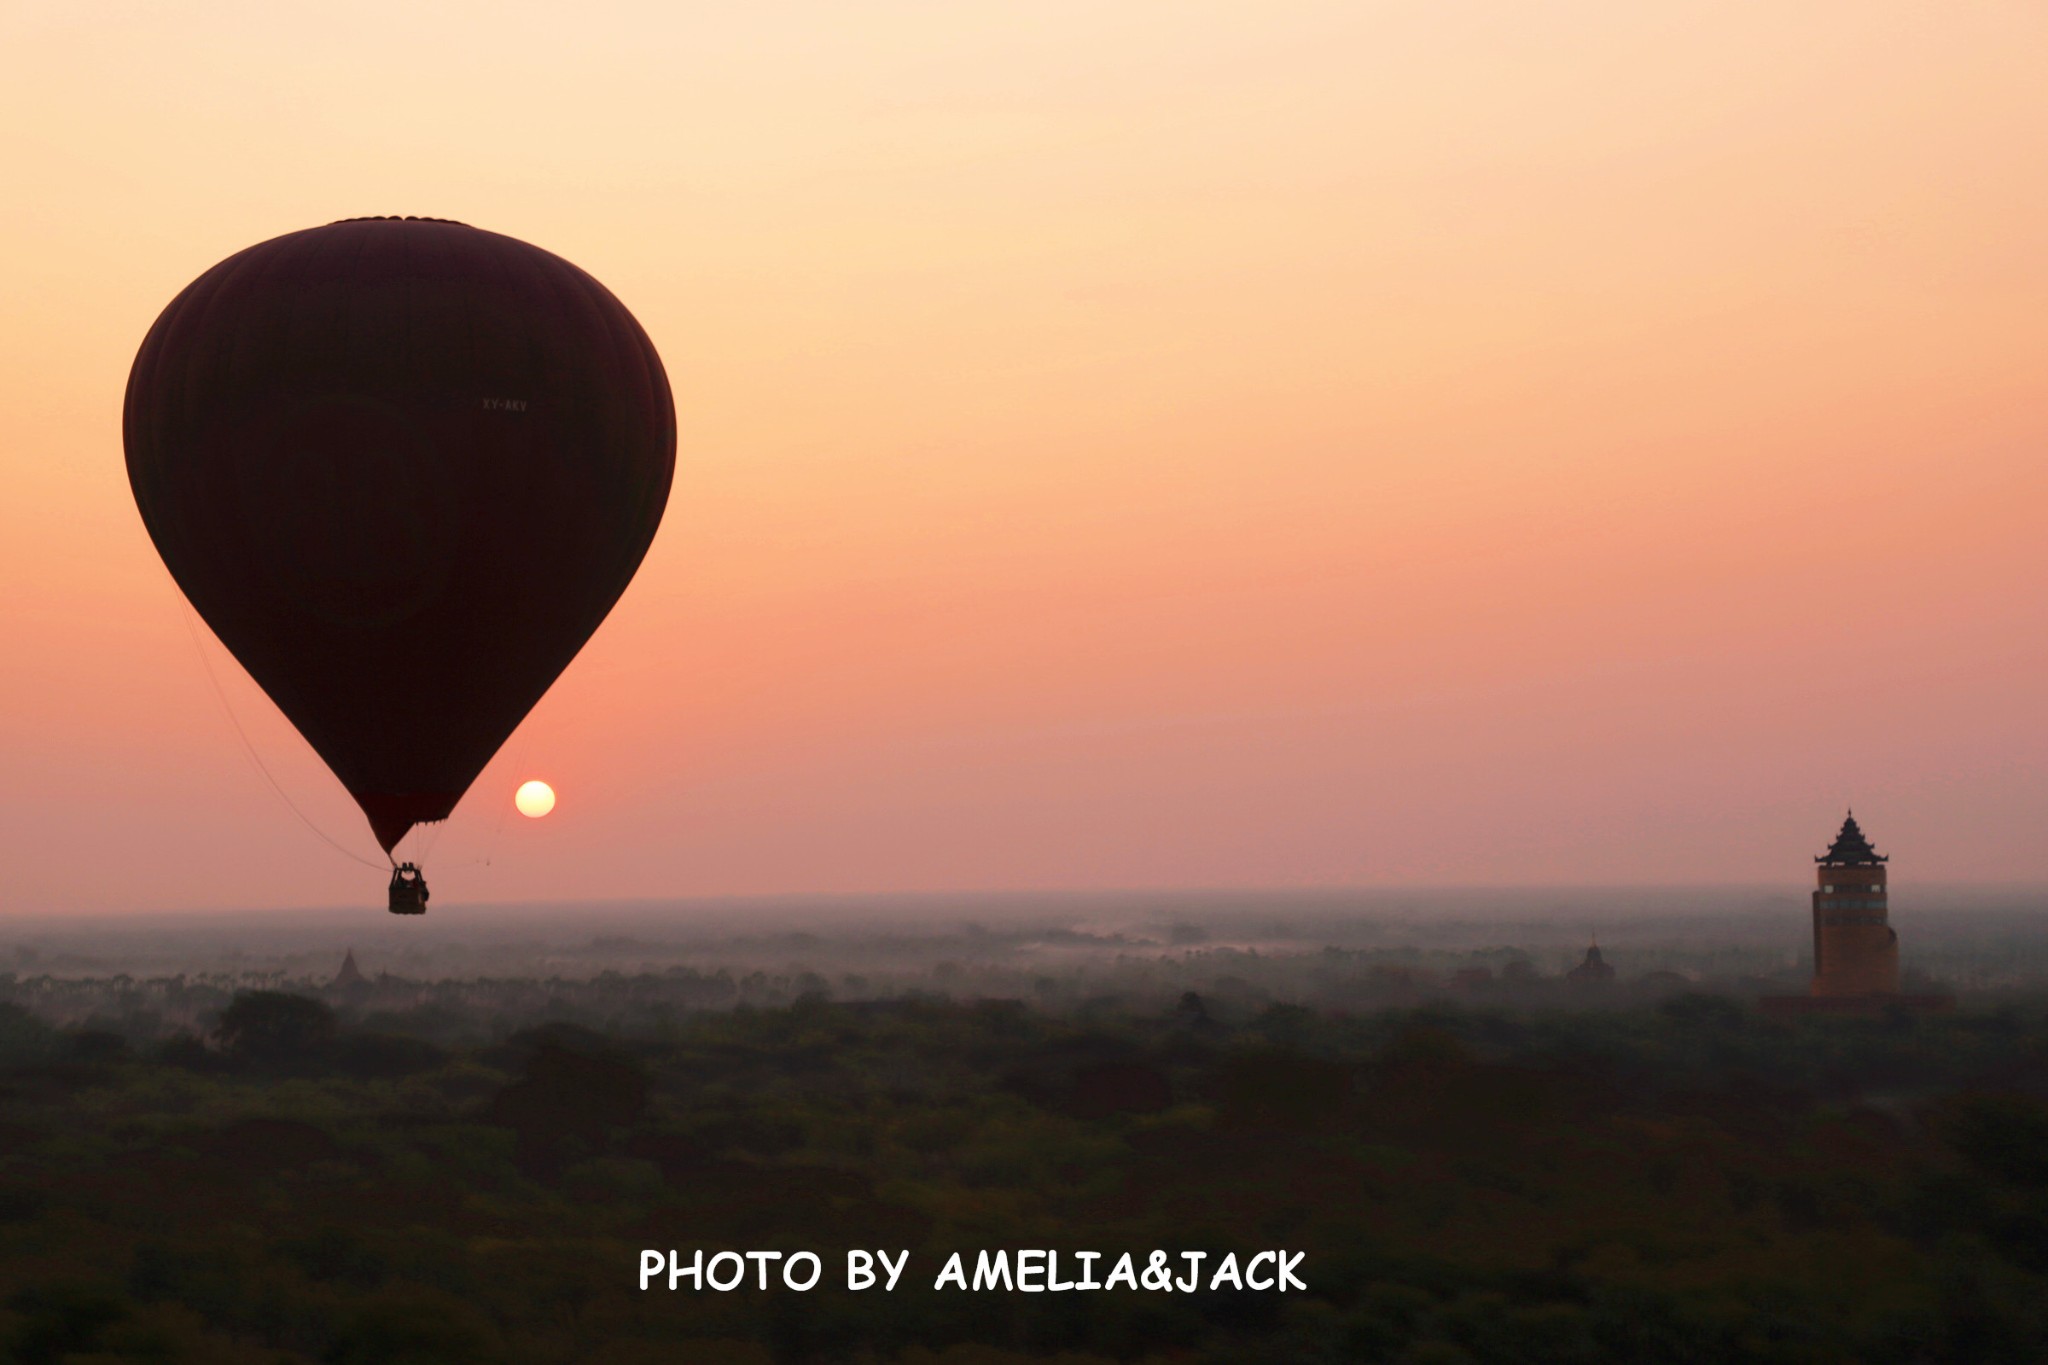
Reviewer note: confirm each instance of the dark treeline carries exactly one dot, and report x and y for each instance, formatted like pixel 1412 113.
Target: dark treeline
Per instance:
pixel 354 1177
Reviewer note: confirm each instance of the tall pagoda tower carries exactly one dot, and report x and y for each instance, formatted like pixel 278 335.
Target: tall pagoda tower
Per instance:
pixel 1855 949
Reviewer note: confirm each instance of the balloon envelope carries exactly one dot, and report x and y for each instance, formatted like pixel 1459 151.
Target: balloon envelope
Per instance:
pixel 403 468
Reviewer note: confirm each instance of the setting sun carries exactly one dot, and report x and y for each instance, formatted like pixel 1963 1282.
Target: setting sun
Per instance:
pixel 534 799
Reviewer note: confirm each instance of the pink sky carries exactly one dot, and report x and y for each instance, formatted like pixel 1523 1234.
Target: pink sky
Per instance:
pixel 1182 444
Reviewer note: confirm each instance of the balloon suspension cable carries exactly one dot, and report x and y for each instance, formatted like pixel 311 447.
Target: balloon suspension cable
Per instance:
pixel 423 836
pixel 220 694
pixel 524 735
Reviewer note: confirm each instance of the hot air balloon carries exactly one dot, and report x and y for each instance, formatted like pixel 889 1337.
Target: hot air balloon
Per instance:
pixel 403 468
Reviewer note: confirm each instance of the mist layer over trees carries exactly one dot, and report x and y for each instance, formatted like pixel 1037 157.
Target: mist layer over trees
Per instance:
pixel 473 973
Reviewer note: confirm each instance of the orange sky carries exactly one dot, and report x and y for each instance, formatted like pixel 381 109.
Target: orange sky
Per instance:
pixel 1156 444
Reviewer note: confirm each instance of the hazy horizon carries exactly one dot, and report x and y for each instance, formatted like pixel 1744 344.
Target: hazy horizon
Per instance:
pixel 1712 935
pixel 918 904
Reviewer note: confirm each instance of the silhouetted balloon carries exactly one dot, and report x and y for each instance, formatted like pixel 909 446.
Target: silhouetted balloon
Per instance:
pixel 403 468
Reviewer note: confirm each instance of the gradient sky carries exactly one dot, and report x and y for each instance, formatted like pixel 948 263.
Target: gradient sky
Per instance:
pixel 1149 444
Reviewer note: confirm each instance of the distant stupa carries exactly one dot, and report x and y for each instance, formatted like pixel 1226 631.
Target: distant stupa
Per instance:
pixel 1855 949
pixel 349 975
pixel 1594 968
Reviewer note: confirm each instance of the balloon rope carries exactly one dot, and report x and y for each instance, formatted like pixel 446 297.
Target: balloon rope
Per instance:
pixel 250 749
pixel 517 765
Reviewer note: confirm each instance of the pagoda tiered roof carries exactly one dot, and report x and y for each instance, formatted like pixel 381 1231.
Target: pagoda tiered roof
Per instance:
pixel 1851 848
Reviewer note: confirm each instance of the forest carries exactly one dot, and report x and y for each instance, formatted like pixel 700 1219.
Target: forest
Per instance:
pixel 347 1174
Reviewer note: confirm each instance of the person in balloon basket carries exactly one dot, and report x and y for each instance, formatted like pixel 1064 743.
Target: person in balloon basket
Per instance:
pixel 408 890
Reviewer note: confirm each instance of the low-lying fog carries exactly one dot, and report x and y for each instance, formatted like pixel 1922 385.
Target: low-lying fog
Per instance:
pixel 1327 947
